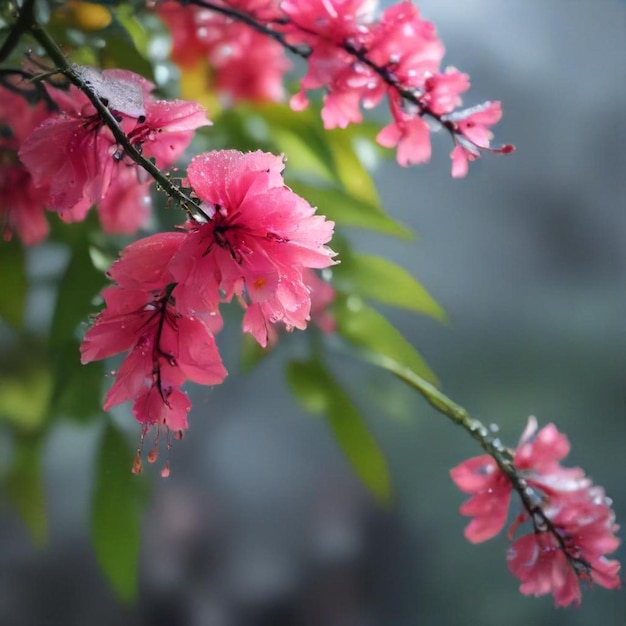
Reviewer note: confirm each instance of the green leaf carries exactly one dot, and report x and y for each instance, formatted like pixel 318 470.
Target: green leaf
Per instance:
pixel 79 285
pixel 381 279
pixel 14 283
pixel 25 395
pixel 121 52
pixel 301 136
pixel 381 343
pixel 252 353
pixel 126 16
pixel 77 387
pixel 317 392
pixel 347 210
pixel 355 179
pixel 115 514
pixel 24 485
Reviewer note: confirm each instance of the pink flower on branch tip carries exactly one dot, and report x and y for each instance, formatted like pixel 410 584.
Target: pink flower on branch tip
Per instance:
pixel 256 245
pixel 573 526
pixel 164 347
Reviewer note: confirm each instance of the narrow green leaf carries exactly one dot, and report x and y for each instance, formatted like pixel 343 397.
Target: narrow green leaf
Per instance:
pixel 317 392
pixel 14 283
pixel 381 279
pixel 252 353
pixel 302 138
pixel 79 285
pixel 354 177
pixel 77 388
pixel 126 15
pixel 382 344
pixel 347 210
pixel 115 514
pixel 24 485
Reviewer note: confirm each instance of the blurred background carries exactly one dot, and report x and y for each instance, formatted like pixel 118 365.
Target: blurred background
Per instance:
pixel 262 522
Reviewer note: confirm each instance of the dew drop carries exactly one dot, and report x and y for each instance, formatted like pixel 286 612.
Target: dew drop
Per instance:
pixel 165 472
pixel 153 455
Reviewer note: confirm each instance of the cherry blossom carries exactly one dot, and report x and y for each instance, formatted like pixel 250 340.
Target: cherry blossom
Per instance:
pixel 573 526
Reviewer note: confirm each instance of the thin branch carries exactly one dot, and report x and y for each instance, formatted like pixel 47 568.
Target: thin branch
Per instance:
pixel 501 455
pixel 249 20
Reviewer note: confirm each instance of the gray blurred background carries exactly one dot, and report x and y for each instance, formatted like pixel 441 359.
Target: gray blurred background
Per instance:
pixel 262 522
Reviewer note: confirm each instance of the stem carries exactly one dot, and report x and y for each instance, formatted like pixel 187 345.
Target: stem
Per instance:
pixel 56 55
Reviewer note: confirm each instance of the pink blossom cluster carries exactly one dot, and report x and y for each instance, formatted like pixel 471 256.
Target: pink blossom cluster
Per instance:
pixel 67 159
pixel 572 525
pixel 258 243
pixel 247 65
pixel 356 57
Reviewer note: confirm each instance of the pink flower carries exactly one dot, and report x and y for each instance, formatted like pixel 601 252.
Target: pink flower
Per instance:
pixel 164 347
pixel 258 241
pixel 473 124
pixel 491 494
pixel 541 565
pixel 442 90
pixel 73 156
pixel 239 75
pixel 328 26
pixel 330 20
pixel 166 129
pixel 76 157
pixel 409 132
pixel 198 34
pixel 573 524
pixel 586 526
pixel 21 203
pixel 406 45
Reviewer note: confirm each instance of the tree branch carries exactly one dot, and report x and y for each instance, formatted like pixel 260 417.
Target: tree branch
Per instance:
pixel 65 68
